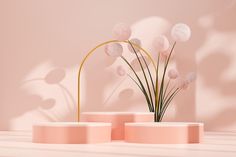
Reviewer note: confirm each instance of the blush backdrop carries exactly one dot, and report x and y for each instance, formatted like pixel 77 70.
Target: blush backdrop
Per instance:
pixel 43 41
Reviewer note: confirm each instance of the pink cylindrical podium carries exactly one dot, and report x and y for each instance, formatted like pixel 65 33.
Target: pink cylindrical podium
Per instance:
pixel 71 133
pixel 164 132
pixel 117 119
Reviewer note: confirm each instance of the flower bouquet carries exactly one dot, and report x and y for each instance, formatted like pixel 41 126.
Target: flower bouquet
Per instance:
pixel 158 90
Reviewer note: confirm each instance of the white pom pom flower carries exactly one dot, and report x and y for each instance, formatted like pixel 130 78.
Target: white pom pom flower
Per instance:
pixel 181 32
pixel 120 71
pixel 114 50
pixel 173 74
pixel 182 83
pixel 191 77
pixel 161 43
pixel 121 32
pixel 135 41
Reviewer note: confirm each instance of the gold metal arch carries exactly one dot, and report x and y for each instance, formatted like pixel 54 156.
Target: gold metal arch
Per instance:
pixel 92 51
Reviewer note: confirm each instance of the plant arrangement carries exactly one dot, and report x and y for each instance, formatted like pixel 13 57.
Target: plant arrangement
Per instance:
pixel 157 89
pixel 158 84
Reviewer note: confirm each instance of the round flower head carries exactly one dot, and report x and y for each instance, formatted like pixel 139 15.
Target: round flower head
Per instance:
pixel 161 43
pixel 164 54
pixel 135 41
pixel 181 32
pixel 173 74
pixel 121 32
pixel 182 83
pixel 114 49
pixel 191 77
pixel 120 71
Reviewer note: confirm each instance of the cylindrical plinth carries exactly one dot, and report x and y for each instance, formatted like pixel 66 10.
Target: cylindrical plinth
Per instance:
pixel 118 119
pixel 71 132
pixel 164 132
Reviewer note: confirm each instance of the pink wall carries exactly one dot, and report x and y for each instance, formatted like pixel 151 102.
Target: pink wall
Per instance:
pixel 43 41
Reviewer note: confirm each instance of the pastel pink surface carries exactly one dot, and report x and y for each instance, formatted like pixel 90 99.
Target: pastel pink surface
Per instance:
pixel 164 133
pixel 71 133
pixel 118 119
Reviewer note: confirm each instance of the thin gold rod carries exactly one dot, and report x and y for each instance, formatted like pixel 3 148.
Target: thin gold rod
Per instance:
pixel 93 50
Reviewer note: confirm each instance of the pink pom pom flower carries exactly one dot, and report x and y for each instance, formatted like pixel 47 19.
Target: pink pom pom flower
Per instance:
pixel 191 77
pixel 182 83
pixel 120 71
pixel 181 32
pixel 173 74
pixel 121 32
pixel 135 41
pixel 161 43
pixel 114 50
pixel 163 55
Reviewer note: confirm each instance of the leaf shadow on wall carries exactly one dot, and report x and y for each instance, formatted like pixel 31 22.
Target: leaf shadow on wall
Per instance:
pixel 212 71
pixel 30 103
pixel 186 57
pixel 35 102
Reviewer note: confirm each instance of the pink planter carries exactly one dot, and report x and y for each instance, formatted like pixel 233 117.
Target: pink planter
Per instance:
pixel 71 133
pixel 164 132
pixel 118 119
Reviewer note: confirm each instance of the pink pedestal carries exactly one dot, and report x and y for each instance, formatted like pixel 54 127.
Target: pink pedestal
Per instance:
pixel 71 133
pixel 164 133
pixel 118 119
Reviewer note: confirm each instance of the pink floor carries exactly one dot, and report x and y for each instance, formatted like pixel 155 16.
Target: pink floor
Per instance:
pixel 215 144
